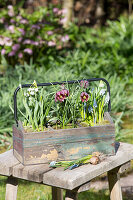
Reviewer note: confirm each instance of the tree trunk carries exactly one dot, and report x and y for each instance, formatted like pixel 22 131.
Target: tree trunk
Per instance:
pixel 68 11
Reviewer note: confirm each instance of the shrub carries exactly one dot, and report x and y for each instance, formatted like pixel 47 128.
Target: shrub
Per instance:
pixel 39 35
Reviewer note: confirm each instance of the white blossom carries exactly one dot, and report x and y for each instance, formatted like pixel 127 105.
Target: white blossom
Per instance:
pixel 32 93
pixel 101 84
pixel 102 91
pixel 107 98
pixel 36 89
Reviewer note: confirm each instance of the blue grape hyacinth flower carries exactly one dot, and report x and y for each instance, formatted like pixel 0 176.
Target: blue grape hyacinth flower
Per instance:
pixel 95 103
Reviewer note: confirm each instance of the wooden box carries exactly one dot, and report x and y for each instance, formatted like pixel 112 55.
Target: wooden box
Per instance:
pixel 63 144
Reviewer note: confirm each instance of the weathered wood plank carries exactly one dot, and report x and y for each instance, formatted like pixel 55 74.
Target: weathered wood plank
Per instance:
pixel 114 184
pixel 11 189
pixel 57 193
pixel 31 172
pixel 7 161
pixel 71 179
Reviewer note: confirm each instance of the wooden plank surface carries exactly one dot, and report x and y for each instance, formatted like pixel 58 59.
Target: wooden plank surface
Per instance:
pixel 31 172
pixel 7 161
pixel 71 179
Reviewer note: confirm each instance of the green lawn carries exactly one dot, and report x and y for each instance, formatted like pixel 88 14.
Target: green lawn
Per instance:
pixel 33 191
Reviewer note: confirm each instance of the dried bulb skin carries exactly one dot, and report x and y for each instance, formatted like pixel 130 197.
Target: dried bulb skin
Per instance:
pixel 94 160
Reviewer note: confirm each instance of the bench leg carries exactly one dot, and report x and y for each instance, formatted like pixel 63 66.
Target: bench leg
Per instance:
pixel 114 184
pixel 71 195
pixel 57 193
pixel 11 188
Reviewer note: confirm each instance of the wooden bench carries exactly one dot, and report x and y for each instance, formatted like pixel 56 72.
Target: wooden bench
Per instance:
pixel 73 181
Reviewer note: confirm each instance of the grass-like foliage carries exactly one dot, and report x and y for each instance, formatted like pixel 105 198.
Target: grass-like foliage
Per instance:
pixel 64 106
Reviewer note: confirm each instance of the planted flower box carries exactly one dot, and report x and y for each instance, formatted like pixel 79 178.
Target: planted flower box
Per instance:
pixel 89 130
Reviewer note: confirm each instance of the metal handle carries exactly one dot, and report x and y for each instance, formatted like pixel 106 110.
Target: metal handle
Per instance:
pixel 58 83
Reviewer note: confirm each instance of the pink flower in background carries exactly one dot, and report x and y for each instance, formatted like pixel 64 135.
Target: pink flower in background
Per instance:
pixel 84 97
pixel 29 51
pixel 11 28
pixel 36 43
pixel 12 21
pixel 84 83
pixel 63 20
pixel 61 95
pixel 55 10
pixel 50 32
pixel 20 39
pixel 7 41
pixel 16 47
pixel 65 38
pixel 27 41
pixel 3 51
pixel 12 53
pixel 10 7
pixel 51 44
pixel 20 55
pixel 24 21
pixel 35 26
pixel 10 11
pixel 19 17
pixel 22 31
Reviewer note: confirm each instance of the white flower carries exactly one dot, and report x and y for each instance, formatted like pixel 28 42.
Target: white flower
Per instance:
pixel 30 98
pixel 101 84
pixel 31 89
pixel 102 91
pixel 32 93
pixel 53 163
pixel 107 98
pixel 36 89
pixel 20 86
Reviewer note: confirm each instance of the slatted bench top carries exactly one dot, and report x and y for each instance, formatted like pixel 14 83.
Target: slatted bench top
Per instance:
pixel 69 179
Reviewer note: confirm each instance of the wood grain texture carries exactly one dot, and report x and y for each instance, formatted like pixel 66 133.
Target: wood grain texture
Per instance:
pixel 62 144
pixel 11 188
pixel 71 179
pixel 32 172
pixel 57 193
pixel 7 161
pixel 114 184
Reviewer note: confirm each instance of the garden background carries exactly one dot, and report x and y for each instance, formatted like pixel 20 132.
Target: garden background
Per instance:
pixel 66 40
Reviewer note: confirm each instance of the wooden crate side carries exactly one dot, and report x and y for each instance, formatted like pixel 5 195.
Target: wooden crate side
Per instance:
pixel 18 143
pixel 67 151
pixel 67 144
pixel 69 136
pixel 68 148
